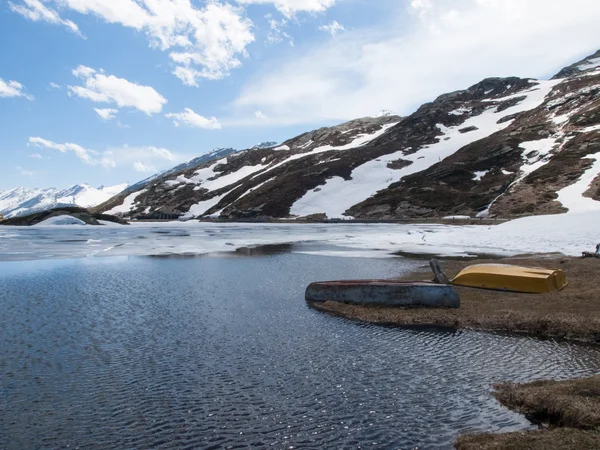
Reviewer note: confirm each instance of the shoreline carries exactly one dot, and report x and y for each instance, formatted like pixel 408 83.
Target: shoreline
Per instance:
pixel 573 313
pixel 568 412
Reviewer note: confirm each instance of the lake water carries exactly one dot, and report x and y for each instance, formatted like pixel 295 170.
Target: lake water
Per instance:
pixel 222 352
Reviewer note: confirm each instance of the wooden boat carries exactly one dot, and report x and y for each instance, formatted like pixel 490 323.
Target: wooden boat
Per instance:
pixel 511 278
pixel 384 292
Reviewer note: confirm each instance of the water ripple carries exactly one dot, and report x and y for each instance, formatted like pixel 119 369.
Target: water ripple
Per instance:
pixel 224 353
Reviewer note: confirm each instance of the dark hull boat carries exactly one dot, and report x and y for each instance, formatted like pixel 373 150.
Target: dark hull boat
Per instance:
pixel 384 292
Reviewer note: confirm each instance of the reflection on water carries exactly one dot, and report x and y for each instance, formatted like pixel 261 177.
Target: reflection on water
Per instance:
pixel 219 352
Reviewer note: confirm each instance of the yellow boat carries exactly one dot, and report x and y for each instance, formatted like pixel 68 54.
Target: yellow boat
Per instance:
pixel 511 278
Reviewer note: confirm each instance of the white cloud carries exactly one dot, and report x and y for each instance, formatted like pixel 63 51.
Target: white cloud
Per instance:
pixel 136 157
pixel 421 7
pixel 139 166
pixel 36 156
pixel 291 7
pixel 276 34
pixel 35 11
pixel 12 89
pixel 260 115
pixel 83 71
pixel 333 28
pixel 148 157
pixel 106 114
pixel 399 66
pixel 87 156
pixel 25 172
pixel 101 88
pixel 190 118
pixel 205 43
pixel 54 85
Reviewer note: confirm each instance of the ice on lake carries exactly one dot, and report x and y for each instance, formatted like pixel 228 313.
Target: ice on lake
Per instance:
pixel 566 233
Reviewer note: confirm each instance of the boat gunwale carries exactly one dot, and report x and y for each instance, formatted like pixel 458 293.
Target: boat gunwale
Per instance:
pixel 391 282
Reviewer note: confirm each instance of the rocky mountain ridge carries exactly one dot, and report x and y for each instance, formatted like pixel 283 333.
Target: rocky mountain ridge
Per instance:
pixel 504 147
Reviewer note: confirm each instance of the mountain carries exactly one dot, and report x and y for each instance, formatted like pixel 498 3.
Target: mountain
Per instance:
pixel 197 191
pixel 216 153
pixel 267 144
pixel 505 147
pixel 22 201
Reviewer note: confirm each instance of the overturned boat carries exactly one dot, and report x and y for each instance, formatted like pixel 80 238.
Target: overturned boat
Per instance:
pixel 511 278
pixel 384 292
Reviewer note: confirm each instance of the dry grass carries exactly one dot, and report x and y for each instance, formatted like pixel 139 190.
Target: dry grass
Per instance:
pixel 556 439
pixel 572 313
pixel 573 406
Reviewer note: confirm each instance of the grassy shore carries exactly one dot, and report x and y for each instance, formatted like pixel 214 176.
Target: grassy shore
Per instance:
pixel 573 313
pixel 569 409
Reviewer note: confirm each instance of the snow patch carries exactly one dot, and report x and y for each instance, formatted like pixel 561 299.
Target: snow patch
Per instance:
pixel 60 220
pixel 383 113
pixel 535 155
pixel 201 175
pixel 460 111
pixel 127 205
pixel 590 64
pixel 479 175
pixel 572 197
pixel 256 187
pixel 590 129
pixel 234 177
pixel 359 141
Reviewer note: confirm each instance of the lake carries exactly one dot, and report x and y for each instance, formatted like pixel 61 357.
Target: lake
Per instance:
pixel 221 351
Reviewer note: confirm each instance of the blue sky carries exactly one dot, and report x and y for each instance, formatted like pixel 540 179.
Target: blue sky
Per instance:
pixel 109 91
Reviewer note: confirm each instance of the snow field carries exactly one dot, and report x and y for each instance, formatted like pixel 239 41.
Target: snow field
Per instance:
pixel 338 195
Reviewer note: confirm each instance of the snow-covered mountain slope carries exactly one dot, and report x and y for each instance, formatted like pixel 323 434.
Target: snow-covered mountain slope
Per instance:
pixel 216 153
pixel 505 147
pixel 22 201
pixel 539 161
pixel 197 191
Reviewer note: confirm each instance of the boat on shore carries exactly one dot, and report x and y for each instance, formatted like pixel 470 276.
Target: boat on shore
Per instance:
pixel 511 278
pixel 384 292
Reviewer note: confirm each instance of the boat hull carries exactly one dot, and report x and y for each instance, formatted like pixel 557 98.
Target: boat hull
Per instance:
pixel 511 278
pixel 384 292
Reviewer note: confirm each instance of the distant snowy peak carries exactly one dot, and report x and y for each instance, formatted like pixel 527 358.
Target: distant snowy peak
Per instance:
pixel 263 145
pixel 384 113
pixel 86 196
pixel 22 201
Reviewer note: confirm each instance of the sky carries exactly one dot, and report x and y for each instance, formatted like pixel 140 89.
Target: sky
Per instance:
pixel 111 91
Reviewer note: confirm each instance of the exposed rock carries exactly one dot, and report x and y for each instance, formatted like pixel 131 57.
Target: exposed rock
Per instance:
pixel 399 164
pixel 594 191
pixel 468 129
